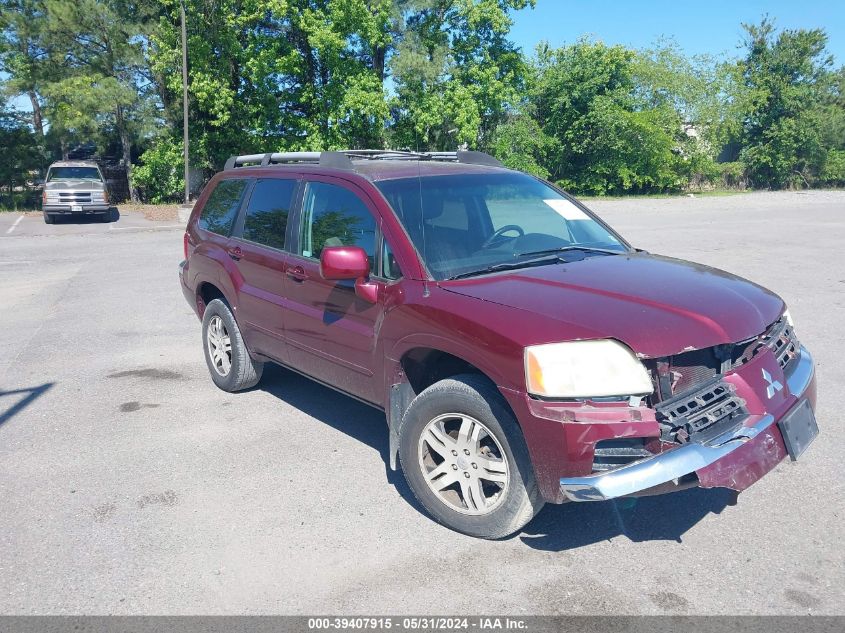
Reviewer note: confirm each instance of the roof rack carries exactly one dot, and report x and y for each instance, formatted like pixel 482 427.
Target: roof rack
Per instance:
pixel 342 159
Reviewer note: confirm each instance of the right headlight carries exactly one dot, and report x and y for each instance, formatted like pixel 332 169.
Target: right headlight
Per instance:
pixel 584 369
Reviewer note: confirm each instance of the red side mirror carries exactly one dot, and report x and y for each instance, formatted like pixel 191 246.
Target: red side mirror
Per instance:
pixel 350 262
pixel 344 262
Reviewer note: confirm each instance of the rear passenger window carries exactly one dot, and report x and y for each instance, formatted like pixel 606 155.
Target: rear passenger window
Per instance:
pixel 335 216
pixel 267 213
pixel 222 205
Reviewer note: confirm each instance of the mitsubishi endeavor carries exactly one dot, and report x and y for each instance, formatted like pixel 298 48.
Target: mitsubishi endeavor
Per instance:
pixel 523 352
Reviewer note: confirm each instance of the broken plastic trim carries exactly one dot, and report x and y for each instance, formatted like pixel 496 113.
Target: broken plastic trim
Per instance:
pixel 660 469
pixel 676 463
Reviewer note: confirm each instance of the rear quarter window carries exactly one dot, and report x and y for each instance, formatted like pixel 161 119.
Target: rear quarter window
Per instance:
pixel 222 206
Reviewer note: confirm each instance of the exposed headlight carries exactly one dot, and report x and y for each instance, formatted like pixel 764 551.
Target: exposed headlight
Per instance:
pixel 584 369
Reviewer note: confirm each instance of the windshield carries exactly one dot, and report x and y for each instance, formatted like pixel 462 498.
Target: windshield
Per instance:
pixel 73 173
pixel 467 223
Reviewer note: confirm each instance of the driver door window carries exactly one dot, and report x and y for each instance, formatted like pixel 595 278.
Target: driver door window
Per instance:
pixel 334 216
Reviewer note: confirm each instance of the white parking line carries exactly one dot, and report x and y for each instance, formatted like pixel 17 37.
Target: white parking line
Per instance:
pixel 12 228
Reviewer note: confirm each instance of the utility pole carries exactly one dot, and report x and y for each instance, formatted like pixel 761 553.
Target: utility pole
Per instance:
pixel 185 101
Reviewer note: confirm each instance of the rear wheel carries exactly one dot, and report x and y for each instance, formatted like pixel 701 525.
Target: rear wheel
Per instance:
pixel 229 362
pixel 465 459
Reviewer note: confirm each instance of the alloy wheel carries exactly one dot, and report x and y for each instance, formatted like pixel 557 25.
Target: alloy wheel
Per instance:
pixel 463 463
pixel 219 346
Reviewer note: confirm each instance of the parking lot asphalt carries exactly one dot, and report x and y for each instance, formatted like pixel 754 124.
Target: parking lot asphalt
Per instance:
pixel 130 484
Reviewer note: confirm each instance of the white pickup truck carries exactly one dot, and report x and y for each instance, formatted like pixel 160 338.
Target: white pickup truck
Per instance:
pixel 75 187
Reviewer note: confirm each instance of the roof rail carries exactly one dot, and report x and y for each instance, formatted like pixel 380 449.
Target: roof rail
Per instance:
pixel 342 159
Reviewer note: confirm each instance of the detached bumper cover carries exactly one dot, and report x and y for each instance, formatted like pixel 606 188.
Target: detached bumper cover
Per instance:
pixel 739 457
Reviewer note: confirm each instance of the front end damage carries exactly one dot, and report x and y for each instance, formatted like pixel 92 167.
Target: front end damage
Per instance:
pixel 718 417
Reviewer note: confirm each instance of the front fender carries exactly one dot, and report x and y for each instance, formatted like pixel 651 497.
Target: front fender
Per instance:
pixel 399 393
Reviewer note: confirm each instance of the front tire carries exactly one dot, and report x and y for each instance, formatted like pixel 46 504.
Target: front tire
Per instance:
pixel 49 219
pixel 229 363
pixel 465 459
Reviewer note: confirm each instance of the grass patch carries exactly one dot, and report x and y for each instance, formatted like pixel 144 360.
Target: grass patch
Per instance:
pixel 18 210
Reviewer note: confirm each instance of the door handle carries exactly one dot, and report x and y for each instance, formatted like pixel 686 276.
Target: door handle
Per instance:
pixel 297 273
pixel 235 252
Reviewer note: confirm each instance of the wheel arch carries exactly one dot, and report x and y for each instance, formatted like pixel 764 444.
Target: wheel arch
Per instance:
pixel 419 366
pixel 208 291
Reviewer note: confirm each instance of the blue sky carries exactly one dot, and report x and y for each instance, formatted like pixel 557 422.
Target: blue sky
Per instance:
pixel 709 26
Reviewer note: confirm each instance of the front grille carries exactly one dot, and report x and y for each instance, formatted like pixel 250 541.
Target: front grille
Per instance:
pixel 701 414
pixel 75 196
pixel 785 347
pixel 688 371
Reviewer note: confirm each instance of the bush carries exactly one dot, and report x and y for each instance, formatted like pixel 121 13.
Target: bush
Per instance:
pixel 520 143
pixel 833 172
pixel 160 176
pixel 733 175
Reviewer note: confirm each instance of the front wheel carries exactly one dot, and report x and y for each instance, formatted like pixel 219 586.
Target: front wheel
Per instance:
pixel 49 219
pixel 229 362
pixel 465 459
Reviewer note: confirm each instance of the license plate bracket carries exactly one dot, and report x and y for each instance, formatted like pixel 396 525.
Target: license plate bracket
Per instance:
pixel 798 428
pixel 76 208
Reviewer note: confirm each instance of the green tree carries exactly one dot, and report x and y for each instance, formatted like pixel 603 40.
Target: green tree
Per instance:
pixel 782 85
pixel 25 53
pixel 455 72
pixel 521 143
pixel 22 157
pixel 612 133
pixel 276 74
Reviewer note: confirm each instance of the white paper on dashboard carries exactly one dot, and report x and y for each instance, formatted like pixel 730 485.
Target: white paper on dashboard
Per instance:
pixel 566 209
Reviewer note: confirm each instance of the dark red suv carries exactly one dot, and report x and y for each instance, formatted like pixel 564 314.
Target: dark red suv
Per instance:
pixel 522 351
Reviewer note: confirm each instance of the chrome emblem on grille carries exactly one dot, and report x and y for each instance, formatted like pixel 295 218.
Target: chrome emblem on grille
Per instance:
pixel 772 386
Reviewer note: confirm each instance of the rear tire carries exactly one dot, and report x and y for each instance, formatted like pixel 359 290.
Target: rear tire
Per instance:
pixel 49 219
pixel 229 363
pixel 465 459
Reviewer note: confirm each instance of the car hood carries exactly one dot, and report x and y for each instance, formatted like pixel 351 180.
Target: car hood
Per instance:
pixel 657 305
pixel 74 185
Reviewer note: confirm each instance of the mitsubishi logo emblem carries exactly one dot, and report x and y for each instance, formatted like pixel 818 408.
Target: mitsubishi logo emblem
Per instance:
pixel 772 386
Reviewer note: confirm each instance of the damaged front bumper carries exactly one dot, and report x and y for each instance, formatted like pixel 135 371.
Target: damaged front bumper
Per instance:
pixel 735 459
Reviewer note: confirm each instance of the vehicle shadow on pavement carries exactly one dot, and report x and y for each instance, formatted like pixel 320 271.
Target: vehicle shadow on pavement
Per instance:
pixel 25 398
pixel 659 518
pixel 357 420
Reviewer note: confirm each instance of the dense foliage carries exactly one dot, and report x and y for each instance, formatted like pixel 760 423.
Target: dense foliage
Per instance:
pixel 420 74
pixel 22 155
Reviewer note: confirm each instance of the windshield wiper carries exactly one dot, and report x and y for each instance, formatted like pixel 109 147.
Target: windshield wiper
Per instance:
pixel 540 261
pixel 563 249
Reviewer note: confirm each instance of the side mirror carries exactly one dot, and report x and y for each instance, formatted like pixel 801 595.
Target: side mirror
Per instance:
pixel 349 262
pixel 344 262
